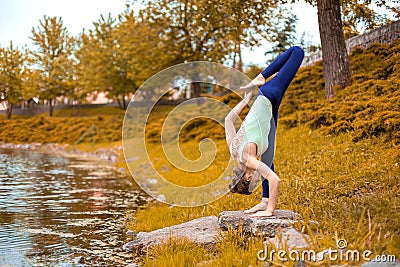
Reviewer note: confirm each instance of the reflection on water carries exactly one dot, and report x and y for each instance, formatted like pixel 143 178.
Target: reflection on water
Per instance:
pixel 62 212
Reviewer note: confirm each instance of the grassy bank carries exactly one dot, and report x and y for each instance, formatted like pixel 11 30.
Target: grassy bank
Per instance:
pixel 338 161
pixel 65 127
pixel 351 189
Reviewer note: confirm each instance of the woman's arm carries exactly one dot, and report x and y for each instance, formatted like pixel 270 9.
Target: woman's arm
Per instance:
pixel 250 161
pixel 273 180
pixel 232 116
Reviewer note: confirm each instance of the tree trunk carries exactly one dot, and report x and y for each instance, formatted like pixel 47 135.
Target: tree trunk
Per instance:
pixel 124 102
pixel 240 66
pixel 9 111
pixel 336 63
pixel 51 106
pixel 119 102
pixel 234 57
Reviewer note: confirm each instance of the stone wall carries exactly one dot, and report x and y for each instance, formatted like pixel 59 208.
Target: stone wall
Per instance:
pixel 384 35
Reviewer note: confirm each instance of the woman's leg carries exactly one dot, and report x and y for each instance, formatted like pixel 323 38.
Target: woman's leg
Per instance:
pixel 263 205
pixel 267 157
pixel 286 66
pixel 274 184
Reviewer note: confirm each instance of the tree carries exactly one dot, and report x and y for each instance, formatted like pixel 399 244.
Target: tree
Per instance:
pixel 358 14
pixel 31 84
pixel 166 32
pixel 103 67
pixel 282 35
pixel 336 63
pixel 12 64
pixel 249 20
pixel 143 46
pixel 54 58
pixel 192 30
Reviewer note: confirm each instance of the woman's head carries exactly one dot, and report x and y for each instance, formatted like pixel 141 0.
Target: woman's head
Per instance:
pixel 241 180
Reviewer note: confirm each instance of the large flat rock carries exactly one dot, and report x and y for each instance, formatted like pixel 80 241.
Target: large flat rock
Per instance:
pixel 281 223
pixel 201 231
pixel 257 225
pixel 204 231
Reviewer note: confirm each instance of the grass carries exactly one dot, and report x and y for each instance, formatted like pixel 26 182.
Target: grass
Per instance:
pixel 338 162
pixel 350 188
pixel 63 130
pixel 369 107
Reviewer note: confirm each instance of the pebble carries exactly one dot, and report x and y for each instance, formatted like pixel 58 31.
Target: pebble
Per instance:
pixel 79 259
pixel 130 233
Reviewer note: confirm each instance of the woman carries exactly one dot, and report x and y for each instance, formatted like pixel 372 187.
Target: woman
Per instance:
pixel 256 136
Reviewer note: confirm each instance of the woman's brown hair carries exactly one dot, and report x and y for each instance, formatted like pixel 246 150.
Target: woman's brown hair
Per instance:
pixel 239 184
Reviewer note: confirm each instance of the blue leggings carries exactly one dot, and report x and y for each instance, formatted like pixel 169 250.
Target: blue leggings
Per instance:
pixel 286 66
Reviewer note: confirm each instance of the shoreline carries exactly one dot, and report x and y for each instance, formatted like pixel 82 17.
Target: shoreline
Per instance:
pixel 104 155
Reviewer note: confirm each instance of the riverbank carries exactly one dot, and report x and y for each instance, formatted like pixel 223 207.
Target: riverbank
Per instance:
pixel 110 156
pixel 350 188
pixel 355 201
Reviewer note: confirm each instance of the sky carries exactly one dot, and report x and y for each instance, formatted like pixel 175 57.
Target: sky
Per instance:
pixel 17 17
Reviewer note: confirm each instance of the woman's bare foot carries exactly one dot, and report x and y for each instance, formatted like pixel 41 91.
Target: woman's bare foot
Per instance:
pixel 248 87
pixel 260 206
pixel 255 83
pixel 262 213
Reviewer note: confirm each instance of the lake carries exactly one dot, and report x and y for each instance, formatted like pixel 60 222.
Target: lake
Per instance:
pixel 57 211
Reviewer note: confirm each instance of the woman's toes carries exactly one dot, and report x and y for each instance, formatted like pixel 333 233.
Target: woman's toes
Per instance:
pixel 262 213
pixel 258 207
pixel 249 211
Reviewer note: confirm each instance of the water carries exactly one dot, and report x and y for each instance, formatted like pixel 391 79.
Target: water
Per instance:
pixel 58 211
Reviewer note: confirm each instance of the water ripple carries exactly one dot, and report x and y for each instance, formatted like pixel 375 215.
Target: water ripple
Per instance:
pixel 54 210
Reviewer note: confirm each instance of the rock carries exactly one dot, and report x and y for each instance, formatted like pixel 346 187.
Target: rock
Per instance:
pixel 257 226
pixel 292 237
pixel 204 231
pixel 161 198
pixel 201 231
pixel 131 233
pixel 281 223
pixel 79 259
pixel 152 181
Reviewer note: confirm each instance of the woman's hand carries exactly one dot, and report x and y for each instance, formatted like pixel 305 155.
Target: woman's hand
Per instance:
pixel 247 97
